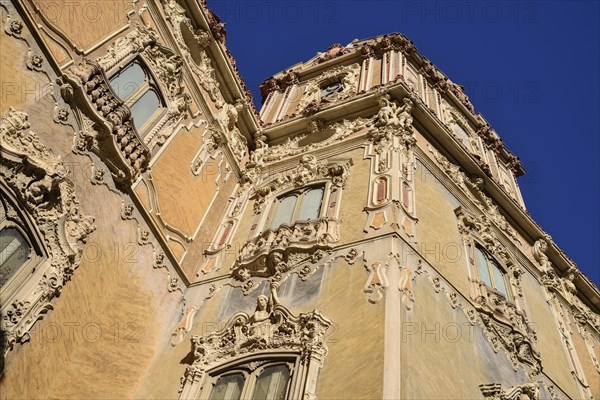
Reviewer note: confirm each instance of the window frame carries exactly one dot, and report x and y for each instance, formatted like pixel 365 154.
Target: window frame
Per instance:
pixel 301 194
pixel 35 256
pixel 491 265
pixel 250 372
pixel 340 88
pixel 151 83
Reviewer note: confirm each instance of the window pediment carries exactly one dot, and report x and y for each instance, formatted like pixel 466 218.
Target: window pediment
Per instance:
pixel 271 335
pixel 309 170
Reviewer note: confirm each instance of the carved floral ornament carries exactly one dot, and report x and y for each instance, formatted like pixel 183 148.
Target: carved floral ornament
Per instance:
pixel 308 170
pixel 506 325
pixel 563 286
pixel 392 121
pixel 527 391
pixel 87 88
pixel 347 76
pixel 473 189
pixel 38 179
pixel 271 332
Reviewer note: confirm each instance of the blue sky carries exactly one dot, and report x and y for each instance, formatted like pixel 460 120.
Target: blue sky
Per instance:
pixel 532 68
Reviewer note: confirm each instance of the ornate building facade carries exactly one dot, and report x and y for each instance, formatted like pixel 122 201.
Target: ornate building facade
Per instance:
pixel 362 236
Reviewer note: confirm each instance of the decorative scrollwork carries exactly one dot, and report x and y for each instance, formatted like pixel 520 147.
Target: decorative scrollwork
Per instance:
pixel 39 181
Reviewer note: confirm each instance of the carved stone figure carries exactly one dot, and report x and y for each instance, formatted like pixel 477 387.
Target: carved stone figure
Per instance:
pixel 38 179
pixel 539 253
pixel 392 115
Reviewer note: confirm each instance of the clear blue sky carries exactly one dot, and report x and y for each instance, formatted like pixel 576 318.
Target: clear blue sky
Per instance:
pixel 532 68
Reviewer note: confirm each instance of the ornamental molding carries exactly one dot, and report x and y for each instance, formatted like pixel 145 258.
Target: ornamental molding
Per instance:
pixel 312 101
pixel 310 169
pixel 271 331
pixel 507 327
pixel 563 286
pixel 192 43
pixel 473 189
pixel 527 391
pixel 115 140
pixel 38 180
pixel 278 251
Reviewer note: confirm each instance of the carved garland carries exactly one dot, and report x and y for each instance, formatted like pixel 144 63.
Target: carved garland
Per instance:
pixel 310 169
pixel 272 331
pixel 38 179
pixel 527 391
pixel 505 323
pixel 311 100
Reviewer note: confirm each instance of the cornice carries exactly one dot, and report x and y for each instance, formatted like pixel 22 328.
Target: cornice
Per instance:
pixel 437 133
pixel 225 65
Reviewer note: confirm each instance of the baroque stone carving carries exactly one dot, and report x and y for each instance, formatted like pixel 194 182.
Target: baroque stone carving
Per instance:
pixel 87 88
pixel 527 391
pixel 14 27
pixel 509 328
pixel 209 149
pixel 549 277
pixel 505 324
pixel 308 170
pixel 271 328
pixel 178 110
pixel 196 42
pixel 34 61
pixel 38 178
pixel 273 250
pixel 353 256
pixel 116 141
pixel 227 119
pixel 563 286
pixel 334 51
pixel 473 190
pixel 348 77
pixel 339 131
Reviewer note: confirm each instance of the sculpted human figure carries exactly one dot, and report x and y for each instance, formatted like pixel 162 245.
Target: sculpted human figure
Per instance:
pixel 539 253
pixel 264 307
pixel 387 113
pixel 263 310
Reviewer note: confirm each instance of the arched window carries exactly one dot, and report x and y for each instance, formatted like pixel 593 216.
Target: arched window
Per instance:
pixel 266 381
pixel 300 205
pixel 331 89
pixel 135 86
pixel 17 256
pixel 490 272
